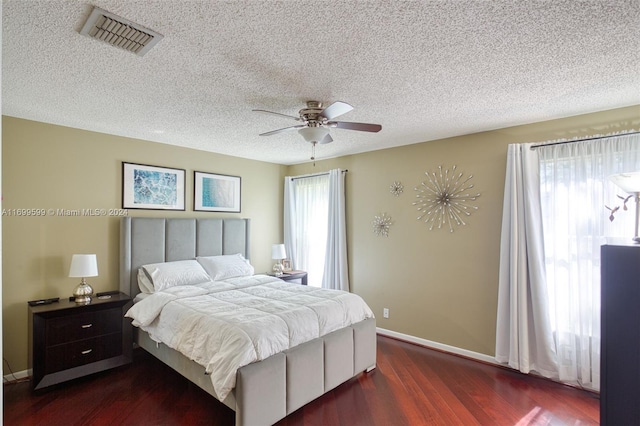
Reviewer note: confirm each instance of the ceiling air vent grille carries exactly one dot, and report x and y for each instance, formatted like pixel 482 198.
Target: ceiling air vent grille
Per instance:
pixel 120 32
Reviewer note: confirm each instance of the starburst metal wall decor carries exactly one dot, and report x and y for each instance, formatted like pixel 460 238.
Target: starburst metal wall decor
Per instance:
pixel 381 225
pixel 444 198
pixel 396 188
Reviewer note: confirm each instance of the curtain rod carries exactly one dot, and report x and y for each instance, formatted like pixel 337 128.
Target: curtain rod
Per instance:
pixel 314 175
pixel 584 140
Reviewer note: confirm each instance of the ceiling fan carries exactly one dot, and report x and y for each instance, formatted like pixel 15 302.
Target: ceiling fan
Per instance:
pixel 316 122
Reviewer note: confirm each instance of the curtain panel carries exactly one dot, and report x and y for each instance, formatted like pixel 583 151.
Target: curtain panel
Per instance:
pixel 523 335
pixel 336 271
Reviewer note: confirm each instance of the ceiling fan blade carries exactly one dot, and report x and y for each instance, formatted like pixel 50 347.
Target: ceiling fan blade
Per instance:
pixel 335 109
pixel 326 139
pixel 276 113
pixel 286 129
pixel 363 127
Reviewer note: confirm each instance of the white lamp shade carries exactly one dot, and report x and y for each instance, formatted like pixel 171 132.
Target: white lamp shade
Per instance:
pixel 83 265
pixel 278 251
pixel 313 134
pixel 628 182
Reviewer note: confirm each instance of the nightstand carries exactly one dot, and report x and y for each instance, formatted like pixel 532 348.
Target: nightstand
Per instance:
pixel 292 276
pixel 68 340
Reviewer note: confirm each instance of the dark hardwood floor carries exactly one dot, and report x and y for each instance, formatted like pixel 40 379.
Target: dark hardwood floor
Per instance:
pixel 412 385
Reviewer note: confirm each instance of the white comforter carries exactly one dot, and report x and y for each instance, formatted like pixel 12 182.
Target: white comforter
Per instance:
pixel 224 325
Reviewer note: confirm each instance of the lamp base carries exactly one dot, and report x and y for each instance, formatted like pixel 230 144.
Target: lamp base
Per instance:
pixel 83 293
pixel 277 269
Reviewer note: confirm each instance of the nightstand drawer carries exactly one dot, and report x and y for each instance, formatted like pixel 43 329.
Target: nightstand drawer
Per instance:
pixel 81 352
pixel 83 326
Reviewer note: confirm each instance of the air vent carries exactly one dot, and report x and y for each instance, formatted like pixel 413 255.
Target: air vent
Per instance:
pixel 120 32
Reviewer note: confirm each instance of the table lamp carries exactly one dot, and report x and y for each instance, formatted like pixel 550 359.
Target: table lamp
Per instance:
pixel 630 183
pixel 278 253
pixel 83 265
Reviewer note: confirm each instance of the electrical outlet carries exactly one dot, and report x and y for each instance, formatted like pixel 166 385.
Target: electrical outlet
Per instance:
pixel 385 312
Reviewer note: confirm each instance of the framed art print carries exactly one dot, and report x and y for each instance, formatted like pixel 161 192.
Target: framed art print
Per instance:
pixel 152 187
pixel 216 193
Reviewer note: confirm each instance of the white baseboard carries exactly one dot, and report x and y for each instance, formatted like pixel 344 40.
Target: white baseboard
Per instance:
pixel 18 375
pixel 439 346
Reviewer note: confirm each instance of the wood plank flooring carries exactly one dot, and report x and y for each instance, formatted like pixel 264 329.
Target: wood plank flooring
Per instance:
pixel 412 385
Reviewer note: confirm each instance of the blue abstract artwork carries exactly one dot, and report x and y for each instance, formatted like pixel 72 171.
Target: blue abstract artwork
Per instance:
pixel 153 187
pixel 218 193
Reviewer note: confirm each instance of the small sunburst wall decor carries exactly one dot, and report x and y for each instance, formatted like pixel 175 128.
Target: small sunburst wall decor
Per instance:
pixel 444 198
pixel 396 188
pixel 381 225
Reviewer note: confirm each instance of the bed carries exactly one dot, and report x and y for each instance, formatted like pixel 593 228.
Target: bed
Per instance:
pixel 265 391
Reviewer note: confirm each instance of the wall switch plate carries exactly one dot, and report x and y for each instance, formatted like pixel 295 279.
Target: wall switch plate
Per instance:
pixel 385 312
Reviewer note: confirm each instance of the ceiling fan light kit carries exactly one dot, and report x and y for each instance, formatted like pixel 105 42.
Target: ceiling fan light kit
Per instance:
pixel 316 122
pixel 315 134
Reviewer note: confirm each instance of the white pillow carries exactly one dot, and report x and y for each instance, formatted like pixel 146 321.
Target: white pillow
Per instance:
pixel 144 283
pixel 226 266
pixel 171 274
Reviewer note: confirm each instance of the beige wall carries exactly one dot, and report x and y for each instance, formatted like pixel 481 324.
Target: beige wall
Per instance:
pixel 440 286
pixel 46 166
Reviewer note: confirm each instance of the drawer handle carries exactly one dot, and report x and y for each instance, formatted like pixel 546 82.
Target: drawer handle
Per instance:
pixel 88 351
pixel 86 325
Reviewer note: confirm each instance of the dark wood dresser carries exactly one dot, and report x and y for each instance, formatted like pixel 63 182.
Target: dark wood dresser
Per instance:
pixel 69 340
pixel 620 335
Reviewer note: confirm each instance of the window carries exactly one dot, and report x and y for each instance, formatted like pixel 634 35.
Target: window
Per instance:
pixel 554 223
pixel 574 190
pixel 315 228
pixel 310 207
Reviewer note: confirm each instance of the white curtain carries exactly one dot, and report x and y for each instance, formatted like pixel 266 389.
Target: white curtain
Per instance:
pixel 306 204
pixel 523 335
pixel 554 222
pixel 315 228
pixel 574 192
pixel 336 272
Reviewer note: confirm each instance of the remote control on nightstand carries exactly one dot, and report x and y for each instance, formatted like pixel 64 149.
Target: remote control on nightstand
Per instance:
pixel 43 301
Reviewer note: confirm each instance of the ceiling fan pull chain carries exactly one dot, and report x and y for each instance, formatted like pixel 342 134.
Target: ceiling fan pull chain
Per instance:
pixel 313 152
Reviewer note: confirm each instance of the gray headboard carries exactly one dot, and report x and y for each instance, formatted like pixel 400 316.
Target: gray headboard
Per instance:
pixel 146 240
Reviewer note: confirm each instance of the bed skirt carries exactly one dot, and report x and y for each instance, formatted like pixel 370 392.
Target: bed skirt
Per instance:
pixel 269 390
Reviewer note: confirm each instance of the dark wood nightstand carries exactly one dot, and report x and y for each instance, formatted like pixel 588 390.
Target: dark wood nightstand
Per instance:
pixel 292 276
pixel 68 340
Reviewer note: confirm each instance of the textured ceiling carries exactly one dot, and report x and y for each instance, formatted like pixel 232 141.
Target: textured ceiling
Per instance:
pixel 424 70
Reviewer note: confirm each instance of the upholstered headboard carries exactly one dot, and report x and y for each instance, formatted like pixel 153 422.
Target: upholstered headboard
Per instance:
pixel 152 240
